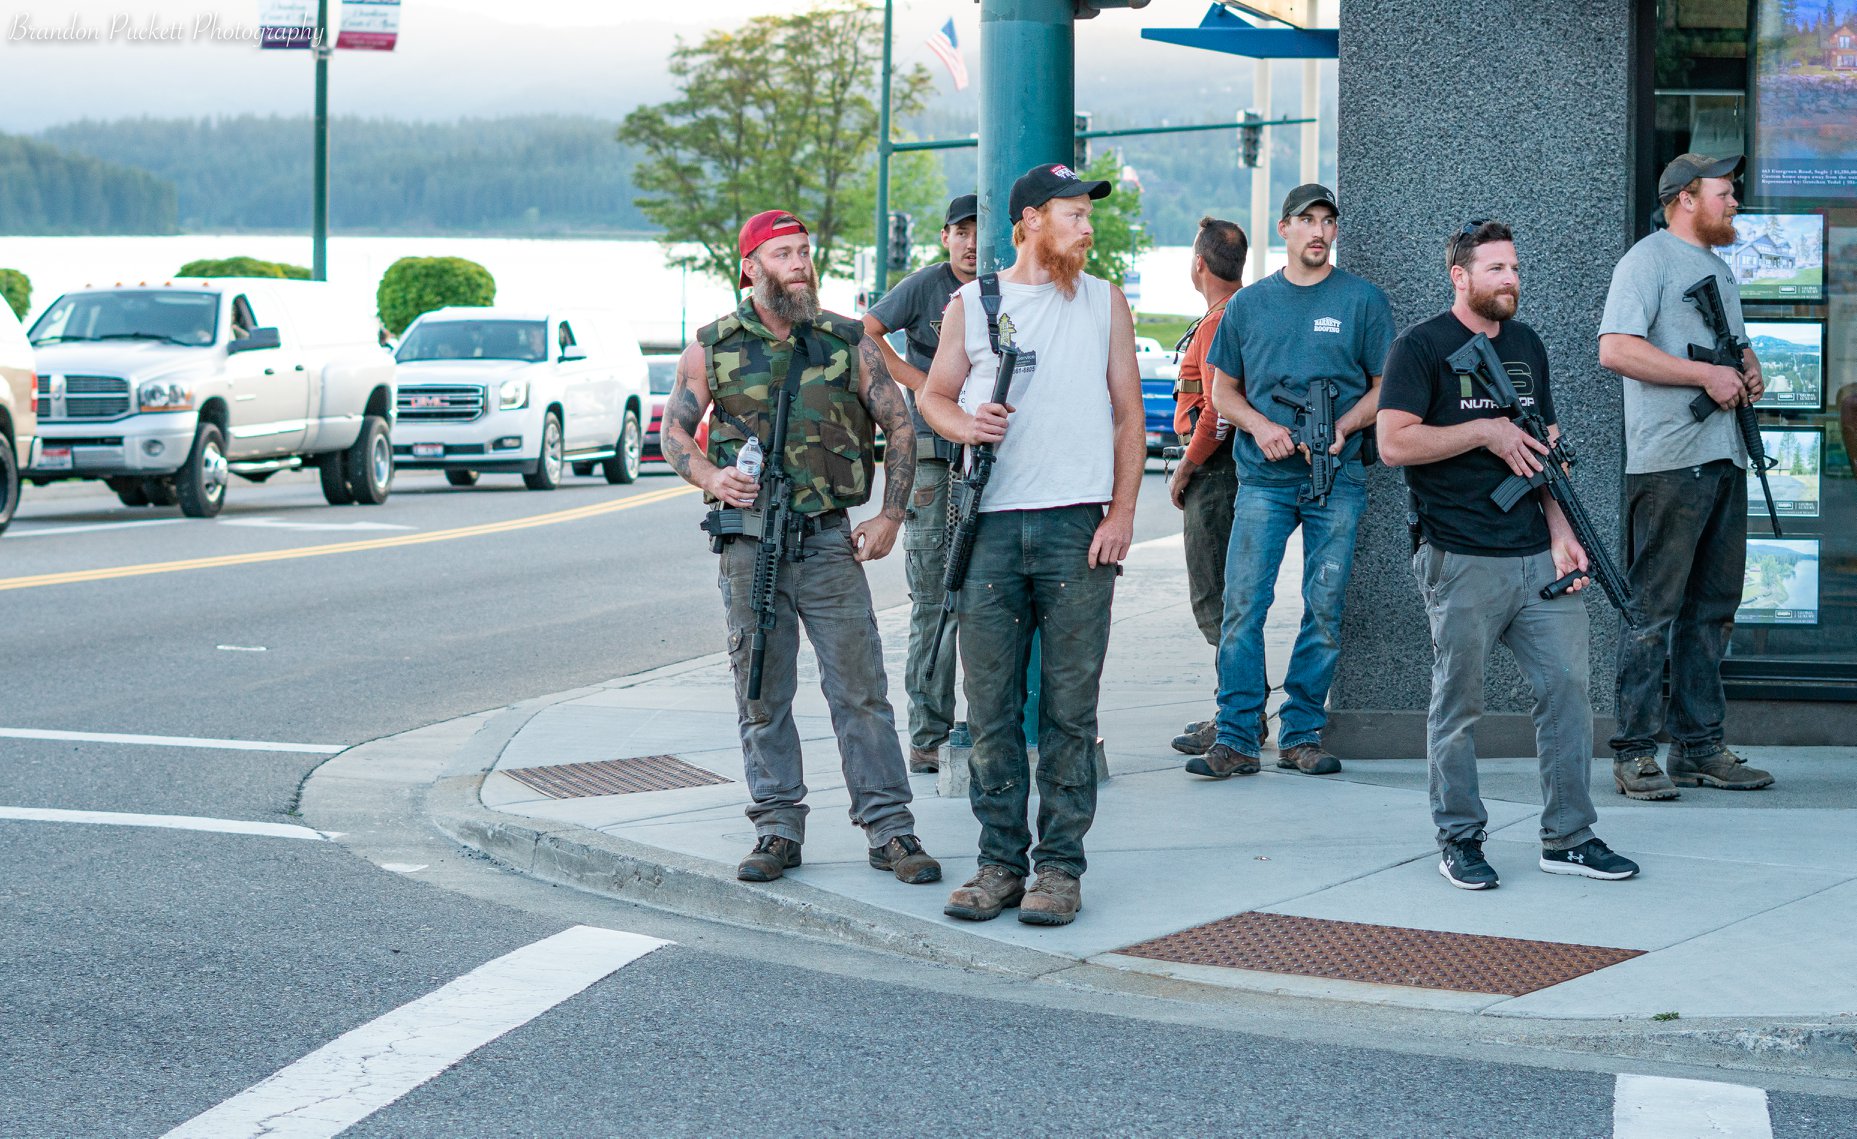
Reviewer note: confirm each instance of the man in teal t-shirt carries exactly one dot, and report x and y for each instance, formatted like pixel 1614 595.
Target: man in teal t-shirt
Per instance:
pixel 1310 322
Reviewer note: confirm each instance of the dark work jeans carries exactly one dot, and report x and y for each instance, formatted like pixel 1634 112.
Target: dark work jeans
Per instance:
pixel 1030 571
pixel 1686 551
pixel 1208 525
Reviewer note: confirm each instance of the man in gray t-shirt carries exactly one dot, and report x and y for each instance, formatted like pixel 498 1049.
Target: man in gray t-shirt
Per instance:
pixel 914 308
pixel 1685 489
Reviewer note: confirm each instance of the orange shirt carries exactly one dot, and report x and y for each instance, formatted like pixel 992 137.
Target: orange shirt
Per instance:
pixel 1194 390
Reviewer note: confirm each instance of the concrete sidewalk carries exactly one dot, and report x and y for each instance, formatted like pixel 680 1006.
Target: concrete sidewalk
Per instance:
pixel 1746 908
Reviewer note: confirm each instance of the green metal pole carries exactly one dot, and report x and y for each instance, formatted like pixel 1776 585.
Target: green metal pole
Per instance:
pixel 319 211
pixel 880 234
pixel 1027 100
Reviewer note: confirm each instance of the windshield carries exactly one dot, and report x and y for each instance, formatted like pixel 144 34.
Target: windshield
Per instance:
pixel 525 340
pixel 140 314
pixel 663 374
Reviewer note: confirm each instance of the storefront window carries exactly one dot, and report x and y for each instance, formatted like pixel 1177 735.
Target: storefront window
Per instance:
pixel 1777 81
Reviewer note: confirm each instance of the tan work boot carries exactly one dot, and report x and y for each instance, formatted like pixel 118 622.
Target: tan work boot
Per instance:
pixel 1639 777
pixel 1053 900
pixel 771 857
pixel 983 896
pixel 924 760
pixel 904 857
pixel 1309 759
pixel 1222 762
pixel 1723 769
pixel 1198 736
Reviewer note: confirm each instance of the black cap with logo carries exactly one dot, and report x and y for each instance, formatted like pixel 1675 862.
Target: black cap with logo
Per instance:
pixel 1050 180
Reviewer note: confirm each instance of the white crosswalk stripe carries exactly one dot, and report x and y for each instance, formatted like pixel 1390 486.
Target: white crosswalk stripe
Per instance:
pixel 1654 1107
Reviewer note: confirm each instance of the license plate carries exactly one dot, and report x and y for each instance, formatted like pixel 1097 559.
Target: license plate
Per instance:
pixel 55 458
pixel 428 450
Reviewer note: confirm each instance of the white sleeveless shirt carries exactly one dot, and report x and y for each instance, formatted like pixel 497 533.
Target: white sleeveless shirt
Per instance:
pixel 1059 448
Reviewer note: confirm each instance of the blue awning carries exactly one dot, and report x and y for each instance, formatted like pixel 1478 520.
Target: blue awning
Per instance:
pixel 1222 30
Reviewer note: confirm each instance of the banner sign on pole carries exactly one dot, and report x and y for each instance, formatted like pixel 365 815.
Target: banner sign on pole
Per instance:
pixel 369 25
pixel 287 23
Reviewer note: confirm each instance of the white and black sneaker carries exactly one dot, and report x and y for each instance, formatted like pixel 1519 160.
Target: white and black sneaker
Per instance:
pixel 1463 866
pixel 1590 859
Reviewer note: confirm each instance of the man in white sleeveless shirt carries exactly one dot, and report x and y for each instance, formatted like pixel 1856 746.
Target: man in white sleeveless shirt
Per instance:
pixel 1055 522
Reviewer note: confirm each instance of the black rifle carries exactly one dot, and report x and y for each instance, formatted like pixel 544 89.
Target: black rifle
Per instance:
pixel 964 508
pixel 1478 359
pixel 1315 429
pixel 1706 295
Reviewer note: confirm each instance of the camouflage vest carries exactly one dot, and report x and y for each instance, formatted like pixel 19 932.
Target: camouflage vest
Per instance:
pixel 830 436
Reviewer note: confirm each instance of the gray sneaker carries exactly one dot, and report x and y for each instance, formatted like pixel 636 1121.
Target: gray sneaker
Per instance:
pixel 1639 777
pixel 1723 769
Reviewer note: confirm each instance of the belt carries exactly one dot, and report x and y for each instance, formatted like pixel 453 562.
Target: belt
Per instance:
pixel 826 520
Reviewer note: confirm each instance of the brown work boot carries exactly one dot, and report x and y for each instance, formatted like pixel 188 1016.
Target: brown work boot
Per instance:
pixel 904 857
pixel 771 857
pixel 992 888
pixel 1222 761
pixel 1053 900
pixel 1309 759
pixel 1199 735
pixel 1723 769
pixel 1639 777
pixel 924 760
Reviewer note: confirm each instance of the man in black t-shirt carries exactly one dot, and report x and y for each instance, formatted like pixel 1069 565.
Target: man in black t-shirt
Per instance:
pixel 1481 570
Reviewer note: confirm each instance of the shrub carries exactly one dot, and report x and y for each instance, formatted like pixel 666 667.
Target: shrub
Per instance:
pixel 17 288
pixel 415 285
pixel 243 267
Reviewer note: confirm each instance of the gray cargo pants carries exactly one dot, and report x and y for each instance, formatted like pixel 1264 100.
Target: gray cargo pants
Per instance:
pixel 827 593
pixel 1208 531
pixel 1473 602
pixel 925 547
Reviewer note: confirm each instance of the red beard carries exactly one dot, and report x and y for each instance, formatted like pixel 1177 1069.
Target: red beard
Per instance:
pixel 1064 263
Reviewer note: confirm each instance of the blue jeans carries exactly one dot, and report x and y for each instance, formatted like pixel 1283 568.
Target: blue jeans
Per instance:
pixel 1030 571
pixel 1263 517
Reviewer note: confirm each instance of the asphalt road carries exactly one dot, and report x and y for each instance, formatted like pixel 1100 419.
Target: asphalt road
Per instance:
pixel 150 974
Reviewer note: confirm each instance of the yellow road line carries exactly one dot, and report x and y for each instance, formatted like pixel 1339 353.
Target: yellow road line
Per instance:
pixel 72 577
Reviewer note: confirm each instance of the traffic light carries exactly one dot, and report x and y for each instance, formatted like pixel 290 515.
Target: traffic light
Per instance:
pixel 1250 137
pixel 899 251
pixel 1080 157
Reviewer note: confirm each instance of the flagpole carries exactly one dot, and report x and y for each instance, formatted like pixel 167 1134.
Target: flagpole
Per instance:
pixel 881 272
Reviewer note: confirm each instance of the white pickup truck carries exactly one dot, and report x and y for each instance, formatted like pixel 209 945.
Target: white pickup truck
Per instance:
pixel 164 391
pixel 18 411
pixel 486 389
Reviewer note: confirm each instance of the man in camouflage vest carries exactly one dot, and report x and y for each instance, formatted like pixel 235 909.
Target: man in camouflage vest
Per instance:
pixel 737 366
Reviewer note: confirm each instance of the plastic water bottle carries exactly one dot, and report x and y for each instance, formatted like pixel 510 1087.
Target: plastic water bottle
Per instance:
pixel 748 460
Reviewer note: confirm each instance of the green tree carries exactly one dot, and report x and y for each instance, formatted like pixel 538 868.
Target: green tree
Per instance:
pixel 17 288
pixel 779 113
pixel 1120 236
pixel 415 285
pixel 243 267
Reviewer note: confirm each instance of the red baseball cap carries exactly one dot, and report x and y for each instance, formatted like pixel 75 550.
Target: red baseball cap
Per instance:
pixel 764 227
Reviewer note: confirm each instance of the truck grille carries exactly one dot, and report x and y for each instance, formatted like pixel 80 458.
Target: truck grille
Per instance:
pixel 83 397
pixel 440 403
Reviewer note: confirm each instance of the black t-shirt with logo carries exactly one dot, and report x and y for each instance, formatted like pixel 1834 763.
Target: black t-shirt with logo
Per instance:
pixel 1455 511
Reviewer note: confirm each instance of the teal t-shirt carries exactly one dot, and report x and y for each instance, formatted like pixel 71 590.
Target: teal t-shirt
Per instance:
pixel 1280 337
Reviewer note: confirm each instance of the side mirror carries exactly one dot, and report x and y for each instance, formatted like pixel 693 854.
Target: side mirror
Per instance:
pixel 571 354
pixel 253 341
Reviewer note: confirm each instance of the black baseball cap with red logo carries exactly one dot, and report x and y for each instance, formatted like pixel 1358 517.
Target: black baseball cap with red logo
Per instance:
pixel 1050 180
pixel 763 228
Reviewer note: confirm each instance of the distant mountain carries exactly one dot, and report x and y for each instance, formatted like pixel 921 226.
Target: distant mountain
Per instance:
pixel 44 189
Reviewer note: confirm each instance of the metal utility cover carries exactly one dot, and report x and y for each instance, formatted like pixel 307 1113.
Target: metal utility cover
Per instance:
pixel 613 777
pixel 1380 954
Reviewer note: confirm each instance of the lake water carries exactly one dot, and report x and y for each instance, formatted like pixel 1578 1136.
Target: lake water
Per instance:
pixel 663 303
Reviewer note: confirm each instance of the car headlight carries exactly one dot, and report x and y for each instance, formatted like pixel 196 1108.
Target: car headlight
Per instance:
pixel 163 395
pixel 513 394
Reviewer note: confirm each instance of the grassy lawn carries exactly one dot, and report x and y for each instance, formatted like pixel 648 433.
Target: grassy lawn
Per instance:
pixel 1164 327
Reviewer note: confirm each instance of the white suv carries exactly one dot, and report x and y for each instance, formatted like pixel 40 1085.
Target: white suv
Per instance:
pixel 488 390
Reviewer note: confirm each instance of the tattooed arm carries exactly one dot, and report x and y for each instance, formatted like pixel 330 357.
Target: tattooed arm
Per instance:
pixel 884 400
pixel 683 410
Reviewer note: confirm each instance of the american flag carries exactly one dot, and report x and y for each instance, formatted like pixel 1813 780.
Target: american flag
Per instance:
pixel 946 49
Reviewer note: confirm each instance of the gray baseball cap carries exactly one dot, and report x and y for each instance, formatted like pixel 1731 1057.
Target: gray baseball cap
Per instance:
pixel 1686 168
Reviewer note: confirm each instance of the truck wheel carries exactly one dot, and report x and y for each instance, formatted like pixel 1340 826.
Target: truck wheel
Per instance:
pixel 461 478
pixel 335 479
pixel 159 492
pixel 370 463
pixel 9 482
pixel 130 491
pixel 623 466
pixel 547 475
pixel 201 483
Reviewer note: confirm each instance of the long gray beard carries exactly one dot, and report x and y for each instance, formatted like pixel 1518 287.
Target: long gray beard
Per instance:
pixel 795 306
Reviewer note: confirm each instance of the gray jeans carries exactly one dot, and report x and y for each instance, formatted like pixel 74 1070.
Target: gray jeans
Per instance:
pixel 925 546
pixel 827 594
pixel 1473 603
pixel 1208 531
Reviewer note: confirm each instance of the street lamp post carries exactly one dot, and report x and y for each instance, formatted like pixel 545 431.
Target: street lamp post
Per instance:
pixel 319 210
